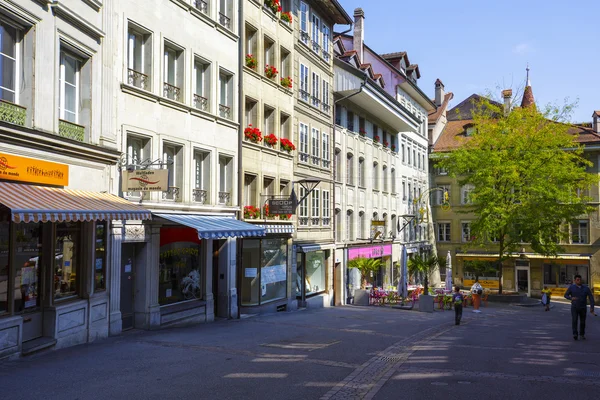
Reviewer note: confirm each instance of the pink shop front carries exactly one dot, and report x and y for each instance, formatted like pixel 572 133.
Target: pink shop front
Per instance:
pixel 388 273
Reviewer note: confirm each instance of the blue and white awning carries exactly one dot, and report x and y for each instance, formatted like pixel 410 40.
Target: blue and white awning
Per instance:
pixel 215 227
pixel 279 229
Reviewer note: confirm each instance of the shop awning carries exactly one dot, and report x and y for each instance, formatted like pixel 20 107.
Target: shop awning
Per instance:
pixel 274 229
pixel 527 255
pixel 308 248
pixel 215 227
pixel 45 204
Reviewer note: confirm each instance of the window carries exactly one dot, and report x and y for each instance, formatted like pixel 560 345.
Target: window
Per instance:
pixel 362 126
pixel 465 232
pixel 316 206
pixel 375 176
pixel 138 151
pixel 139 58
pixel 284 187
pixel 250 190
pixel 326 106
pixel 9 62
pixel 200 193
pixel 226 180
pixel 268 122
pixel 326 149
pixel 393 181
pixel 303 208
pixel 384 178
pixel 361 225
pixel 338 165
pixel 419 160
pixel 69 87
pixel 408 154
pixel 579 232
pixel 225 94
pixel 269 53
pixel 470 131
pixel 403 190
pixel 100 256
pixel 465 193
pixel 361 172
pixel 268 187
pixel 443 231
pixel 410 193
pixel 403 153
pixel 349 225
pixel 326 208
pixel 173 158
pixel 338 115
pixel 304 82
pixel 284 126
pixel 284 67
pixel 563 274
pixel 251 43
pixel 414 158
pixel 67 258
pixel 349 169
pixel 201 84
pixel 316 101
pixel 394 226
pixel 442 194
pixel 315 146
pixel 338 225
pixel 326 39
pixel 441 171
pixel 268 257
pixel 316 27
pixel 304 22
pixel 201 5
pixel 350 121
pixel 173 73
pixel 226 13
pixel 303 154
pixel 251 112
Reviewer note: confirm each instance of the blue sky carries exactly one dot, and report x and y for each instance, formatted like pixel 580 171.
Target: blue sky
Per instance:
pixel 474 46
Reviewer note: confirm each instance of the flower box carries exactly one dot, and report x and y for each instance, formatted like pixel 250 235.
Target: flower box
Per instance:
pixel 251 61
pixel 271 140
pixel 286 16
pixel 251 212
pixel 273 5
pixel 286 82
pixel 386 144
pixel 270 71
pixel 362 132
pixel 253 134
pixel 376 139
pixel 287 145
pixel 393 147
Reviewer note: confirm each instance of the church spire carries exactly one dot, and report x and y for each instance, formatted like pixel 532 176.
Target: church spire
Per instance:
pixel 528 99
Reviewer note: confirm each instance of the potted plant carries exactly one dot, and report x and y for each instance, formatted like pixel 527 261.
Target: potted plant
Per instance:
pixel 270 71
pixel 286 16
pixel 366 267
pixel 266 212
pixel 393 148
pixel 386 144
pixel 285 217
pixel 251 212
pixel 286 82
pixel 252 134
pixel 251 61
pixel 273 5
pixel 425 267
pixel 271 140
pixel 362 132
pixel 287 145
pixel 376 138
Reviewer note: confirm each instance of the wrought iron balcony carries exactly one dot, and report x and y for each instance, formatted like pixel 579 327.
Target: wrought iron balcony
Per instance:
pixel 201 5
pixel 224 198
pixel 200 195
pixel 315 221
pixel 303 221
pixel 316 47
pixel 303 157
pixel 326 163
pixel 303 94
pixel 70 130
pixel 171 92
pixel 224 111
pixel 225 21
pixel 326 55
pixel 12 113
pixel 326 108
pixel 137 79
pixel 171 194
pixel 326 221
pixel 200 102
pixel 304 37
pixel 316 160
pixel 316 101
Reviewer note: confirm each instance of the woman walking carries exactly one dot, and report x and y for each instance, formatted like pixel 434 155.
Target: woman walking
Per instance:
pixel 457 300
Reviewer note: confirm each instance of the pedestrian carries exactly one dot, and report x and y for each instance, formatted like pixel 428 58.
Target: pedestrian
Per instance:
pixel 546 294
pixel 476 291
pixel 578 294
pixel 457 300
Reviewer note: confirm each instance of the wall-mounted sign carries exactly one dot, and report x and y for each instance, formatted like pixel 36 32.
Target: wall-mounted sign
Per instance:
pixel 281 206
pixel 23 169
pixel 145 180
pixel 370 252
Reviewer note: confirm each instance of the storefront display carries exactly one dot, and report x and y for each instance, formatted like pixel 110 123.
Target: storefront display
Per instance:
pixel 264 271
pixel 26 261
pixel 181 270
pixel 100 257
pixel 314 273
pixel 4 267
pixel 67 259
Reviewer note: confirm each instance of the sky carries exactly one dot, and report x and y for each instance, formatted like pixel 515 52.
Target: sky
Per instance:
pixel 477 46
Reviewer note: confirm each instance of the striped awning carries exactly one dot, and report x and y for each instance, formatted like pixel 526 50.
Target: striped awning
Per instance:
pixel 45 204
pixel 215 227
pixel 278 229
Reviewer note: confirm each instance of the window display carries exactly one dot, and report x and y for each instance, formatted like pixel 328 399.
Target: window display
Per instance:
pixel 100 257
pixel 557 274
pixel 26 259
pixel 66 259
pixel 315 269
pixel 264 271
pixel 181 271
pixel 4 267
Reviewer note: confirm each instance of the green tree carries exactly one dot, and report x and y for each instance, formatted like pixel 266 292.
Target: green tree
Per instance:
pixel 480 268
pixel 527 171
pixel 425 267
pixel 365 266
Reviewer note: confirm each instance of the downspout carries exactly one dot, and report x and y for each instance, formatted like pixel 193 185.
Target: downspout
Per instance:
pixel 240 174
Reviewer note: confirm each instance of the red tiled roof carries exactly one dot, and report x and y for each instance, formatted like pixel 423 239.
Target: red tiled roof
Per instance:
pixel 434 115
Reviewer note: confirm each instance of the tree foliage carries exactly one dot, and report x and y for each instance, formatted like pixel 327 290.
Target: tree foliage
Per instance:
pixel 527 173
pixel 425 267
pixel 365 266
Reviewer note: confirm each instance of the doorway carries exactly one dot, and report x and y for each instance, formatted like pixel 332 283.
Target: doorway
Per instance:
pixel 522 278
pixel 29 268
pixel 127 285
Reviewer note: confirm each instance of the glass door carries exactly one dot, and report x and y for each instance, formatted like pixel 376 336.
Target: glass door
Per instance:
pixel 523 280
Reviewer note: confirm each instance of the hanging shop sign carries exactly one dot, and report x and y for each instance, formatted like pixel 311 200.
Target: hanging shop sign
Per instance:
pixel 281 206
pixel 31 170
pixel 145 180
pixel 370 252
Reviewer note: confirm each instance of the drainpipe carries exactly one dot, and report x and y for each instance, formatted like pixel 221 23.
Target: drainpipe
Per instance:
pixel 240 174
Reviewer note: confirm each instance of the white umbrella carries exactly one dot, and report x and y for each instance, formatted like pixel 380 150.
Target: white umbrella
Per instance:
pixel 448 271
pixel 403 282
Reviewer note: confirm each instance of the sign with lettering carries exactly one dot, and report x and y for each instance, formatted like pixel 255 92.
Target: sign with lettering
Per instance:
pixel 485 283
pixel 145 180
pixel 281 206
pixel 31 170
pixel 370 252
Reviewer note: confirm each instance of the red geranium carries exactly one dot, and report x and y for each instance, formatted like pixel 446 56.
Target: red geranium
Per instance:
pixel 271 71
pixel 271 139
pixel 253 134
pixel 287 145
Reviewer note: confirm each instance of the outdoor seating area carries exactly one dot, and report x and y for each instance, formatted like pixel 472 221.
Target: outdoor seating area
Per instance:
pixel 442 297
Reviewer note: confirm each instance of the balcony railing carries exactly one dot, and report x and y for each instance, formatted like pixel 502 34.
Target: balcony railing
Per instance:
pixel 171 92
pixel 200 195
pixel 326 108
pixel 303 221
pixel 200 102
pixel 316 47
pixel 137 79
pixel 303 157
pixel 225 21
pixel 326 55
pixel 304 95
pixel 316 101
pixel 326 163
pixel 315 221
pixel 70 130
pixel 304 37
pixel 224 111
pixel 12 113
pixel 224 198
pixel 201 5
pixel 326 221
pixel 171 194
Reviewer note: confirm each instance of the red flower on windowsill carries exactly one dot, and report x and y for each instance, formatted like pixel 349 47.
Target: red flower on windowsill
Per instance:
pixel 251 61
pixel 386 144
pixel 253 134
pixel 286 82
pixel 271 139
pixel 270 71
pixel 286 16
pixel 287 145
pixel 376 138
pixel 251 212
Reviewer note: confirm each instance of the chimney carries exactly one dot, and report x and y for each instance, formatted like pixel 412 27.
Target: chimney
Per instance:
pixel 507 95
pixel 359 32
pixel 596 121
pixel 439 93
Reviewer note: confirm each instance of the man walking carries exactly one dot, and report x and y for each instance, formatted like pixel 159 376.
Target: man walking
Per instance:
pixel 457 299
pixel 578 294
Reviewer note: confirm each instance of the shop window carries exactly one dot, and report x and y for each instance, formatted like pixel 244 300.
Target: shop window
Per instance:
pixel 264 275
pixel 67 260
pixel 27 266
pixel 181 270
pixel 313 273
pixel 4 266
pixel 100 257
pixel 557 274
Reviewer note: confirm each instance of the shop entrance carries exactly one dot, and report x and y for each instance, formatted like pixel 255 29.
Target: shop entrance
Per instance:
pixel 127 285
pixel 522 277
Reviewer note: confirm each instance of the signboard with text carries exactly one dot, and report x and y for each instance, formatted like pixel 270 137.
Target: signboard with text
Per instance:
pixel 31 170
pixel 281 206
pixel 146 180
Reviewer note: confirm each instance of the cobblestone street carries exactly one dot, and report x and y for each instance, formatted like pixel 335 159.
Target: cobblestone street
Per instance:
pixel 506 352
